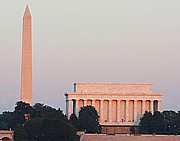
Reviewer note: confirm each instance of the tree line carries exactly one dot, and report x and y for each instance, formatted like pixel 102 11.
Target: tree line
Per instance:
pixel 44 123
pixel 166 122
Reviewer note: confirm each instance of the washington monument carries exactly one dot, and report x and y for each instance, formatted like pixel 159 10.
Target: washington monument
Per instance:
pixel 26 66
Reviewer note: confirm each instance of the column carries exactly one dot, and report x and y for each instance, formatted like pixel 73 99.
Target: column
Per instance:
pixel 135 110
pixel 118 111
pixel 110 111
pixel 93 103
pixel 85 102
pixel 143 107
pixel 159 105
pixel 69 108
pixel 127 110
pixel 152 106
pixel 77 107
pixel 74 106
pixel 101 111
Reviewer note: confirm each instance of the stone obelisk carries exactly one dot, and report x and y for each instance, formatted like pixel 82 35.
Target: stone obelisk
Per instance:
pixel 26 66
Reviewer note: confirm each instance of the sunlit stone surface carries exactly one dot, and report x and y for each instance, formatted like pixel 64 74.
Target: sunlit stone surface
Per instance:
pixel 116 104
pixel 26 66
pixel 6 135
pixel 94 137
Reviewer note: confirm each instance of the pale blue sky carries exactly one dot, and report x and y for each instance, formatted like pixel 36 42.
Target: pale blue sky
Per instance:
pixel 92 41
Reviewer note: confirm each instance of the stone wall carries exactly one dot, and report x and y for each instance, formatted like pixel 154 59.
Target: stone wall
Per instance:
pixel 111 130
pixel 6 134
pixel 112 88
pixel 88 137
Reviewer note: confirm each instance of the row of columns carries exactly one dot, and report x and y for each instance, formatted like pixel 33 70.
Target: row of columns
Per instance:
pixel 123 110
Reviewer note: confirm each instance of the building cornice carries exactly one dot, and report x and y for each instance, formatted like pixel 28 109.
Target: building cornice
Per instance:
pixel 115 94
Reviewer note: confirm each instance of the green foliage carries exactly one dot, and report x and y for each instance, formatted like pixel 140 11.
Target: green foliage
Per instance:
pixel 170 117
pixel 20 133
pixel 158 123
pixel 88 120
pixel 3 125
pixel 177 121
pixel 21 109
pixel 47 123
pixel 33 127
pixel 10 120
pixel 43 129
pixel 43 111
pixel 44 123
pixel 145 123
pixel 6 120
pixel 167 122
pixel 73 120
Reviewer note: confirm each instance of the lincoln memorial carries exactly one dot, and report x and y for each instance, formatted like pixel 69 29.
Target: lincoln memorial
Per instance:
pixel 116 104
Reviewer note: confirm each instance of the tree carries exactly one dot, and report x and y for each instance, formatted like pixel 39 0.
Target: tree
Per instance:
pixel 145 123
pixel 3 125
pixel 153 124
pixel 170 117
pixel 158 123
pixel 6 120
pixel 88 120
pixel 45 124
pixel 40 110
pixel 43 129
pixel 177 121
pixel 19 113
pixel 33 127
pixel 9 120
pixel 20 133
pixel 73 120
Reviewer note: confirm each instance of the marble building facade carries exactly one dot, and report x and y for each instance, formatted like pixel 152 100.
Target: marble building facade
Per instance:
pixel 6 135
pixel 116 104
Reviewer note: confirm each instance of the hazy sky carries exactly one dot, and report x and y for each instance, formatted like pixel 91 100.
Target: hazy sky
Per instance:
pixel 134 41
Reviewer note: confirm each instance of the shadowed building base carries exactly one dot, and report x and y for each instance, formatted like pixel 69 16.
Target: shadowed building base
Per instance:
pixel 6 135
pixel 117 129
pixel 102 137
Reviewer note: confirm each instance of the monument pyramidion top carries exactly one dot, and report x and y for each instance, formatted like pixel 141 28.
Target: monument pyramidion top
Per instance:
pixel 27 12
